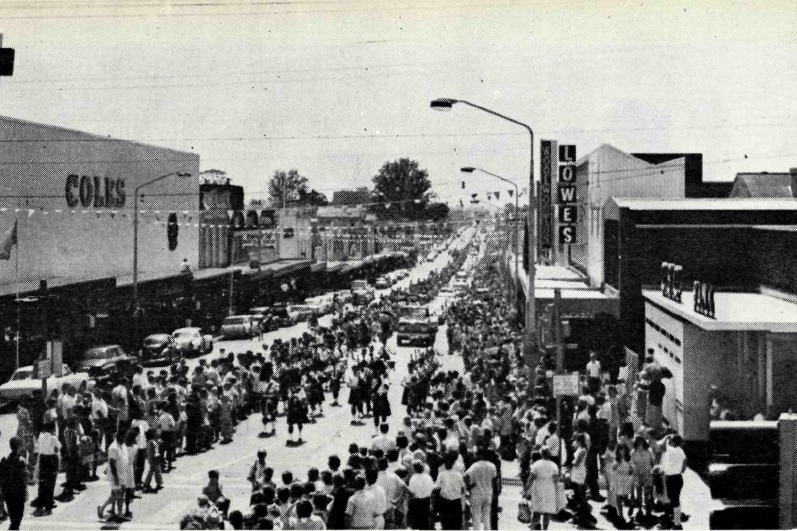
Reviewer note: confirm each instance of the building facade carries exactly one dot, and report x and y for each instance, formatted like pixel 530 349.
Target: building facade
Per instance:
pixel 71 197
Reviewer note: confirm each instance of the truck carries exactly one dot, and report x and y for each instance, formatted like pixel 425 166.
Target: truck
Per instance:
pixel 416 326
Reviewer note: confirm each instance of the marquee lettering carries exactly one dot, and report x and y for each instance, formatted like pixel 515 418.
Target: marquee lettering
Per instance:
pixel 670 281
pixel 71 186
pixel 94 191
pixel 704 299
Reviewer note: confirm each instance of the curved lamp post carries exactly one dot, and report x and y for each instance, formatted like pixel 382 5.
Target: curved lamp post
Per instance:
pixel 181 174
pixel 515 239
pixel 530 335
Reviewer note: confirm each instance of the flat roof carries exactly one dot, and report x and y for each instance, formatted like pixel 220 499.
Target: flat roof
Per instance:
pixel 734 311
pixel 758 203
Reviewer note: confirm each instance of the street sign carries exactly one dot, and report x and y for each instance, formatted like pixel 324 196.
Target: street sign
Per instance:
pixel 567 194
pixel 567 234
pixel 568 214
pixel 566 385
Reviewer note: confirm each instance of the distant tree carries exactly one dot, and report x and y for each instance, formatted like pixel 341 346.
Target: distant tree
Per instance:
pixel 437 211
pixel 312 197
pixel 401 189
pixel 284 187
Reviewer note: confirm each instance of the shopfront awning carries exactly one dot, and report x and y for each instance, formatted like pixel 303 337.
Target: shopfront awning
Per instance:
pixel 335 267
pixel 288 267
pixel 579 303
pixel 352 265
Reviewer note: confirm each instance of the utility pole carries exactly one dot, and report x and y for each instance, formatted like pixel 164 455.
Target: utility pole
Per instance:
pixel 560 348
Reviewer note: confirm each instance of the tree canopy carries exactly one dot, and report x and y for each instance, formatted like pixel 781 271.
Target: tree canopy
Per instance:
pixel 401 190
pixel 290 189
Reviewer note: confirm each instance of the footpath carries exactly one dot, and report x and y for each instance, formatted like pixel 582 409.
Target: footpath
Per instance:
pixel 695 500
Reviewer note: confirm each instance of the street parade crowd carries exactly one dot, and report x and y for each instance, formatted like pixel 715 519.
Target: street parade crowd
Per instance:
pixel 439 463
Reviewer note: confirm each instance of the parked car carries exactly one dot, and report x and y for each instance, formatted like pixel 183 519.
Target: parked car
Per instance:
pixel 343 295
pixel 300 312
pixel 192 342
pixel 279 315
pixel 362 292
pixel 158 350
pixel 23 384
pixel 97 360
pixel 382 282
pixel 322 304
pixel 264 319
pixel 237 326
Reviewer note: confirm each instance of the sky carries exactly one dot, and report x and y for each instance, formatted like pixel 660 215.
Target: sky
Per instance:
pixel 335 88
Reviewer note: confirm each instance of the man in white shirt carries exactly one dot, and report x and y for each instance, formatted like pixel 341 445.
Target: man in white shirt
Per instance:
pixel 594 373
pixel 452 489
pixel 673 465
pixel 395 490
pixel 481 475
pixel 383 441
pixel 361 507
pixel 380 497
pixel 420 487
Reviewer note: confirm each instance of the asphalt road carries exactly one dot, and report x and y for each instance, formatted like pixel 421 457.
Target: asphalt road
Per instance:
pixel 331 434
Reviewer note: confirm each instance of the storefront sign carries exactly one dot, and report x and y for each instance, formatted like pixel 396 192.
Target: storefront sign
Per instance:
pixel 704 299
pixel 567 234
pixel 567 195
pixel 97 192
pixel 568 214
pixel 545 206
pixel 670 281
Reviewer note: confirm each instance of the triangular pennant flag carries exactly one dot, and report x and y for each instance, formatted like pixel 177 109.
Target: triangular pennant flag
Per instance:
pixel 510 192
pixel 497 196
pixel 488 196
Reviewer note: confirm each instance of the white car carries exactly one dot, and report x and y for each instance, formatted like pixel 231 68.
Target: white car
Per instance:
pixel 23 384
pixel 322 304
pixel 191 341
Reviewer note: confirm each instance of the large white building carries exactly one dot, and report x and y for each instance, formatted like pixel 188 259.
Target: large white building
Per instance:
pixel 71 195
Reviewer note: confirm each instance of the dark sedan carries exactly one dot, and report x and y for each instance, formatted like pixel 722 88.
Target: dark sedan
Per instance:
pixel 159 350
pixel 98 361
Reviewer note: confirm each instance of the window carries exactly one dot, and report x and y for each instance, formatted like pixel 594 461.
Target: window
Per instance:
pixel 287 232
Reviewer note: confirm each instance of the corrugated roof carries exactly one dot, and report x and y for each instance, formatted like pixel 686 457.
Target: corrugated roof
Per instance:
pixel 762 185
pixel 734 203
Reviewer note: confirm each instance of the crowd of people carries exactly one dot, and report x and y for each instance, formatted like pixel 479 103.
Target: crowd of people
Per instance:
pixel 441 463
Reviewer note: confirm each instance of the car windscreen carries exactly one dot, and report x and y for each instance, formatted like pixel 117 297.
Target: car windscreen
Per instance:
pixel 98 354
pixel 234 321
pixel 23 374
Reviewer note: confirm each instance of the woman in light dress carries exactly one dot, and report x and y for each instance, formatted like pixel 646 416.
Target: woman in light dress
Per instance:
pixel 624 481
pixel 542 490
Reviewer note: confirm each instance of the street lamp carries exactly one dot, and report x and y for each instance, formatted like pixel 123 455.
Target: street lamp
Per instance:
pixel 181 174
pixel 515 239
pixel 530 335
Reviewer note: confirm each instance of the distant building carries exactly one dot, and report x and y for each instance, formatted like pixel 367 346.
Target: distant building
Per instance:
pixel 358 196
pixel 215 201
pixel 610 172
pixel 763 184
pixel 214 177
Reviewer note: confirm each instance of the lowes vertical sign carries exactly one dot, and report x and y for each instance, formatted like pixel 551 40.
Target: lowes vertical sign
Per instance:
pixel 566 194
pixel 545 208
